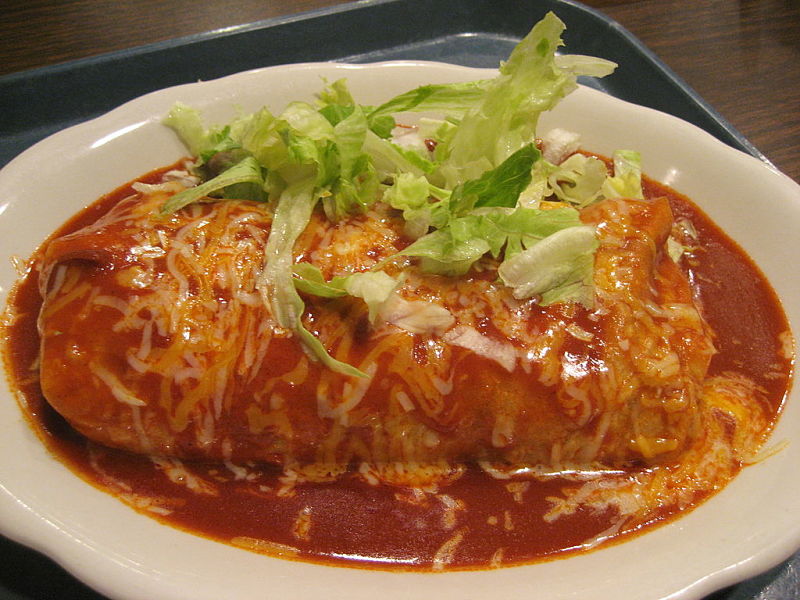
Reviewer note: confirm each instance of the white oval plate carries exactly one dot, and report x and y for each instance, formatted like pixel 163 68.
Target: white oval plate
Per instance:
pixel 750 526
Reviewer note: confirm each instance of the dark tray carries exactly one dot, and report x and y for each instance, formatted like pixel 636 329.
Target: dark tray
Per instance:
pixel 477 33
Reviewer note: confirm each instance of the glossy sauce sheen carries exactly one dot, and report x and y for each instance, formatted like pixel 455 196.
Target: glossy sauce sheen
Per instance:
pixel 485 521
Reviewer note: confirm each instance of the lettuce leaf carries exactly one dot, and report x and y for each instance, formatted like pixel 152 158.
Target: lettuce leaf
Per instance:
pixel 246 171
pixel 188 124
pixel 581 180
pixel 578 180
pixel 275 283
pixel 336 103
pixel 530 82
pixel 309 279
pixel 454 249
pixel 497 187
pixel 355 185
pixel 373 287
pixel 558 268
pixel 627 179
pixel 451 99
pixel 411 194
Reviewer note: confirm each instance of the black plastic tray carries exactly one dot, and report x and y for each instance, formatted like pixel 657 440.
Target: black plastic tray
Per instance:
pixel 478 33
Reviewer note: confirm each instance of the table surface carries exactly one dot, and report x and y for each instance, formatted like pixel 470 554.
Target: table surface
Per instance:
pixel 741 56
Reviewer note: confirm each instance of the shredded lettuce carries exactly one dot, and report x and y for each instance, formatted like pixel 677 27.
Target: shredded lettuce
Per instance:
pixel 188 124
pixel 416 316
pixel 379 292
pixel 557 268
pixel 246 171
pixel 373 287
pixel 411 193
pixel 627 179
pixel 275 283
pixel 309 279
pixel 453 250
pixel 530 82
pixel 452 99
pixel 355 186
pixel 474 188
pixel 497 187
pixel 581 180
pixel 578 180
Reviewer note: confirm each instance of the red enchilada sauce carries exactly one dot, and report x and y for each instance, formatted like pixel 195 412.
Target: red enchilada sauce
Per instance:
pixel 473 522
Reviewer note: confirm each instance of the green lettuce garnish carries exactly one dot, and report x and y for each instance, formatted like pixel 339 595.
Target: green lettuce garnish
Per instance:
pixel 244 172
pixel 472 190
pixel 454 249
pixel 558 267
pixel 627 179
pixel 373 287
pixel 276 284
pixel 530 83
pixel 452 100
